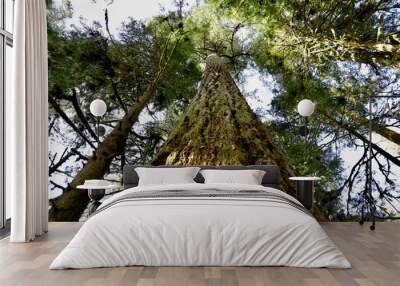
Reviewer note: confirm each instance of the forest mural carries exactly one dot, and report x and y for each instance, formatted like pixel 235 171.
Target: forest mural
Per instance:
pixel 218 82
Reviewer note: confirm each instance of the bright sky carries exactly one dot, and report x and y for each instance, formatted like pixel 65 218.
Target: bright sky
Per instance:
pixel 119 10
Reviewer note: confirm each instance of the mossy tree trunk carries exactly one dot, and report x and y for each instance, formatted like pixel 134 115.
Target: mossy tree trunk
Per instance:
pixel 219 128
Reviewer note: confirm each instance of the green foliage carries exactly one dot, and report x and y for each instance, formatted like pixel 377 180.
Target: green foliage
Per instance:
pixel 320 31
pixel 306 158
pixel 325 51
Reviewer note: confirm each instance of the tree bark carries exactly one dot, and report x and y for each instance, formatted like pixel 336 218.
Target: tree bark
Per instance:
pixel 219 128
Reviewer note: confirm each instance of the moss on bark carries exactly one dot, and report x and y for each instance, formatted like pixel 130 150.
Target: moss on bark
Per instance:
pixel 219 128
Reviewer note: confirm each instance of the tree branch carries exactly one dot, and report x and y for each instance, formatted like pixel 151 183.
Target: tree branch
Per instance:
pixel 69 121
pixel 78 110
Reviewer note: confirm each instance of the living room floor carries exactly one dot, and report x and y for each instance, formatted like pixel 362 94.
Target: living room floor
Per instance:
pixel 375 257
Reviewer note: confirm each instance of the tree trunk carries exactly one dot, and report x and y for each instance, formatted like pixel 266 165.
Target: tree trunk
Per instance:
pixel 355 133
pixel 376 127
pixel 69 206
pixel 363 52
pixel 219 128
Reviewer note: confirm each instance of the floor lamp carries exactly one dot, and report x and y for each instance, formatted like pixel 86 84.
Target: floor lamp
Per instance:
pixel 370 199
pixel 98 108
pixel 305 108
pixel 372 203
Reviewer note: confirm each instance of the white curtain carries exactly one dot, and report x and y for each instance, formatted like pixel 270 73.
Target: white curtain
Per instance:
pixel 26 123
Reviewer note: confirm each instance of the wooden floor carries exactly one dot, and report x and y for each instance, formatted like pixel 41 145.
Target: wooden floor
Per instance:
pixel 375 257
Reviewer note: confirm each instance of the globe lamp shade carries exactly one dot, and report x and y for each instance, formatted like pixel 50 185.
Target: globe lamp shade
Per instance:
pixel 306 107
pixel 98 107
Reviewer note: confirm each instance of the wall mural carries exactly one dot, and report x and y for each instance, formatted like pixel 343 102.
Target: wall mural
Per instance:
pixel 165 105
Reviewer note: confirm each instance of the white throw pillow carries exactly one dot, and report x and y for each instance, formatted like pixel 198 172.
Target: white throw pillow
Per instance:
pixel 248 177
pixel 166 176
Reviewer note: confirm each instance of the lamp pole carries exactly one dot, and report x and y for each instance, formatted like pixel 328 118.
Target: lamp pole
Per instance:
pixel 306 128
pixel 305 108
pixel 371 198
pixel 98 131
pixel 368 192
pixel 306 138
pixel 372 203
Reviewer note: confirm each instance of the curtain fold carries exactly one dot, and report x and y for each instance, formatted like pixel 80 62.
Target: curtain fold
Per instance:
pixel 27 125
